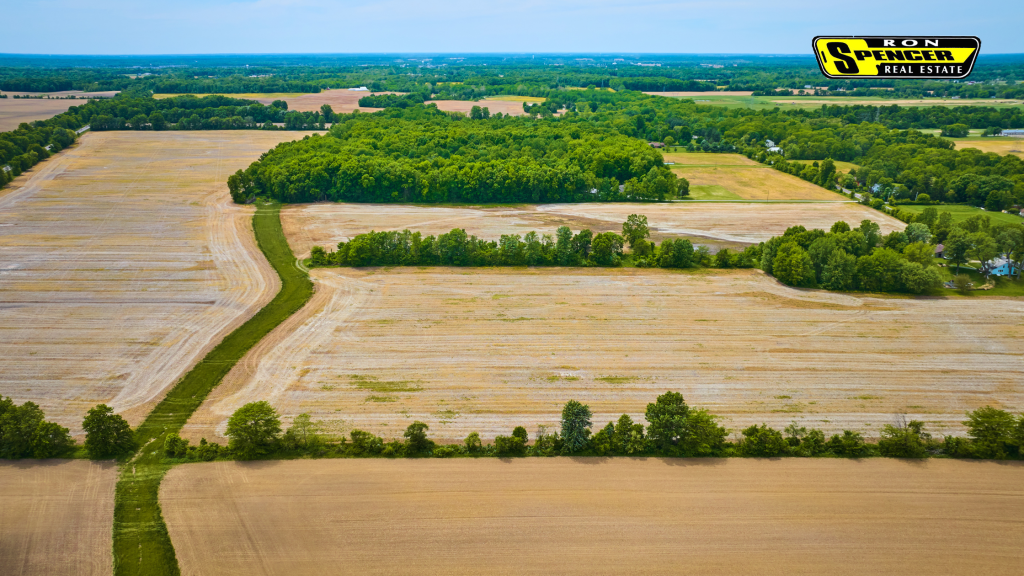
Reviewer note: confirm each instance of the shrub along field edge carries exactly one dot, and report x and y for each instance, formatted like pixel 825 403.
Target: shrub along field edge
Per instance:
pixel 141 543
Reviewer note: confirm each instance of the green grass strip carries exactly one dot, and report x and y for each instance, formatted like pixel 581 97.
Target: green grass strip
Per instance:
pixel 142 545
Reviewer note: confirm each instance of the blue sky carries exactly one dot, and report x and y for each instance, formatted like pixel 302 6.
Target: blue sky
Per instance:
pixel 610 26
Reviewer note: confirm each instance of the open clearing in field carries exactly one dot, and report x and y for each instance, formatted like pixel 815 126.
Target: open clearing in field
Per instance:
pixel 124 262
pixel 488 349
pixel 747 179
pixel 56 517
pixel 729 225
pixel 1003 146
pixel 596 516
pixel 346 101
pixel 506 107
pixel 841 167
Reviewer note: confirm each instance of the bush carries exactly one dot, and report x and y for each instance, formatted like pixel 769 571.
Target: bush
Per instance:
pixel 366 444
pixel 473 443
pixel 764 442
pixel 991 431
pixel 416 441
pixel 107 435
pixel 903 440
pixel 849 444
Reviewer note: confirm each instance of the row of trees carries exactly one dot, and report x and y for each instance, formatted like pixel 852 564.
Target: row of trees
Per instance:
pixel 25 433
pixel 672 429
pixel 584 248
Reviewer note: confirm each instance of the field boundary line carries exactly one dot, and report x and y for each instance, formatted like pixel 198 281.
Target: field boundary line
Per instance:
pixel 142 545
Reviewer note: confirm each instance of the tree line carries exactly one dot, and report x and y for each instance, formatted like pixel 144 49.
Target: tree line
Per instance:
pixel 671 429
pixel 25 433
pixel 424 155
pixel 584 248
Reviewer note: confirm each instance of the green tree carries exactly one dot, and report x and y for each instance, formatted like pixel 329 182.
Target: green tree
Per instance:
pixel 629 436
pixel 849 444
pixel 921 253
pixel 575 426
pixel 51 440
pixel 928 217
pixel 991 432
pixel 838 273
pixel 473 443
pixel 957 246
pixel 840 227
pixel 607 249
pixel 416 441
pixel 635 229
pixel 955 131
pixel 253 429
pixel 304 430
pixel 704 437
pixel 327 113
pixel 682 187
pixel 107 435
pixel 666 419
pixel 792 265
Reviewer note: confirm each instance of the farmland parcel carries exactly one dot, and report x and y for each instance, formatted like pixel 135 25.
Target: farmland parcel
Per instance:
pixel 596 516
pixel 124 262
pixel 488 349
pixel 724 224
pixel 56 517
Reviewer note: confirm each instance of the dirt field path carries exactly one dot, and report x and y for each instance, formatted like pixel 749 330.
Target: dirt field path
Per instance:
pixel 719 225
pixel 595 516
pixel 123 262
pixel 56 517
pixel 486 350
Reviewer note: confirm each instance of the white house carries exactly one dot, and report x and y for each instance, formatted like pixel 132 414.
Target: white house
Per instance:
pixel 1000 267
pixel 775 149
pixel 768 144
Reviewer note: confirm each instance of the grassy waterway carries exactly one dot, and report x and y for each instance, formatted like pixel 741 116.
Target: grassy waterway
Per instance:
pixel 141 543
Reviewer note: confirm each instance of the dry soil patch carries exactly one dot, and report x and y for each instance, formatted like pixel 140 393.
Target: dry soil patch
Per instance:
pixel 488 349
pixel 123 262
pixel 595 516
pixel 56 517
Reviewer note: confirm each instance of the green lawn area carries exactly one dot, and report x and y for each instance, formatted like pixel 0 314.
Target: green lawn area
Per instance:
pixel 712 192
pixel 961 213
pixel 769 102
pixel 1004 286
pixel 841 166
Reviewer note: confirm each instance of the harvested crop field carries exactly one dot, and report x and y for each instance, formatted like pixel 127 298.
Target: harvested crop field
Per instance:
pixel 15 111
pixel 693 94
pixel 1002 146
pixel 57 517
pixel 596 516
pixel 718 225
pixel 744 178
pixel 124 261
pixel 488 349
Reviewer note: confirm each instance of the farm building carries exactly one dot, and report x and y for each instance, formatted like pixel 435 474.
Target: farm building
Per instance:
pixel 657 144
pixel 1016 133
pixel 939 250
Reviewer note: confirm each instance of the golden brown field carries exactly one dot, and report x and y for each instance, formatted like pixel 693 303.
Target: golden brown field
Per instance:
pixel 596 516
pixel 1013 146
pixel 488 349
pixel 14 112
pixel 56 517
pixel 728 225
pixel 744 178
pixel 124 261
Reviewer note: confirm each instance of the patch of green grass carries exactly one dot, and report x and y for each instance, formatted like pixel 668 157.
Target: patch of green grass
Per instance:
pixel 961 213
pixel 712 192
pixel 381 399
pixel 376 385
pixel 617 379
pixel 141 543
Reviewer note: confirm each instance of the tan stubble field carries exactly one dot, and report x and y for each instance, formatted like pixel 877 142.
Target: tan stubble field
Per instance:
pixel 596 516
pixel 486 350
pixel 124 261
pixel 56 517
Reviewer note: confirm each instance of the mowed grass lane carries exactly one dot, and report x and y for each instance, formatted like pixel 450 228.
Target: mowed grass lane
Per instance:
pixel 141 543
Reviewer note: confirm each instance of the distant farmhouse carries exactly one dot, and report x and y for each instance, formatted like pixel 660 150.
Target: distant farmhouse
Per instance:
pixel 1016 133
pixel 772 148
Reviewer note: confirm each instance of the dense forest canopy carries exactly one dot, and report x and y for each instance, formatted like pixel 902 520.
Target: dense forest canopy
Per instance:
pixel 424 155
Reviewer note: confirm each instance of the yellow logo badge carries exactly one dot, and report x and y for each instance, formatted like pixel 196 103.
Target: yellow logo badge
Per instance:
pixel 941 57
